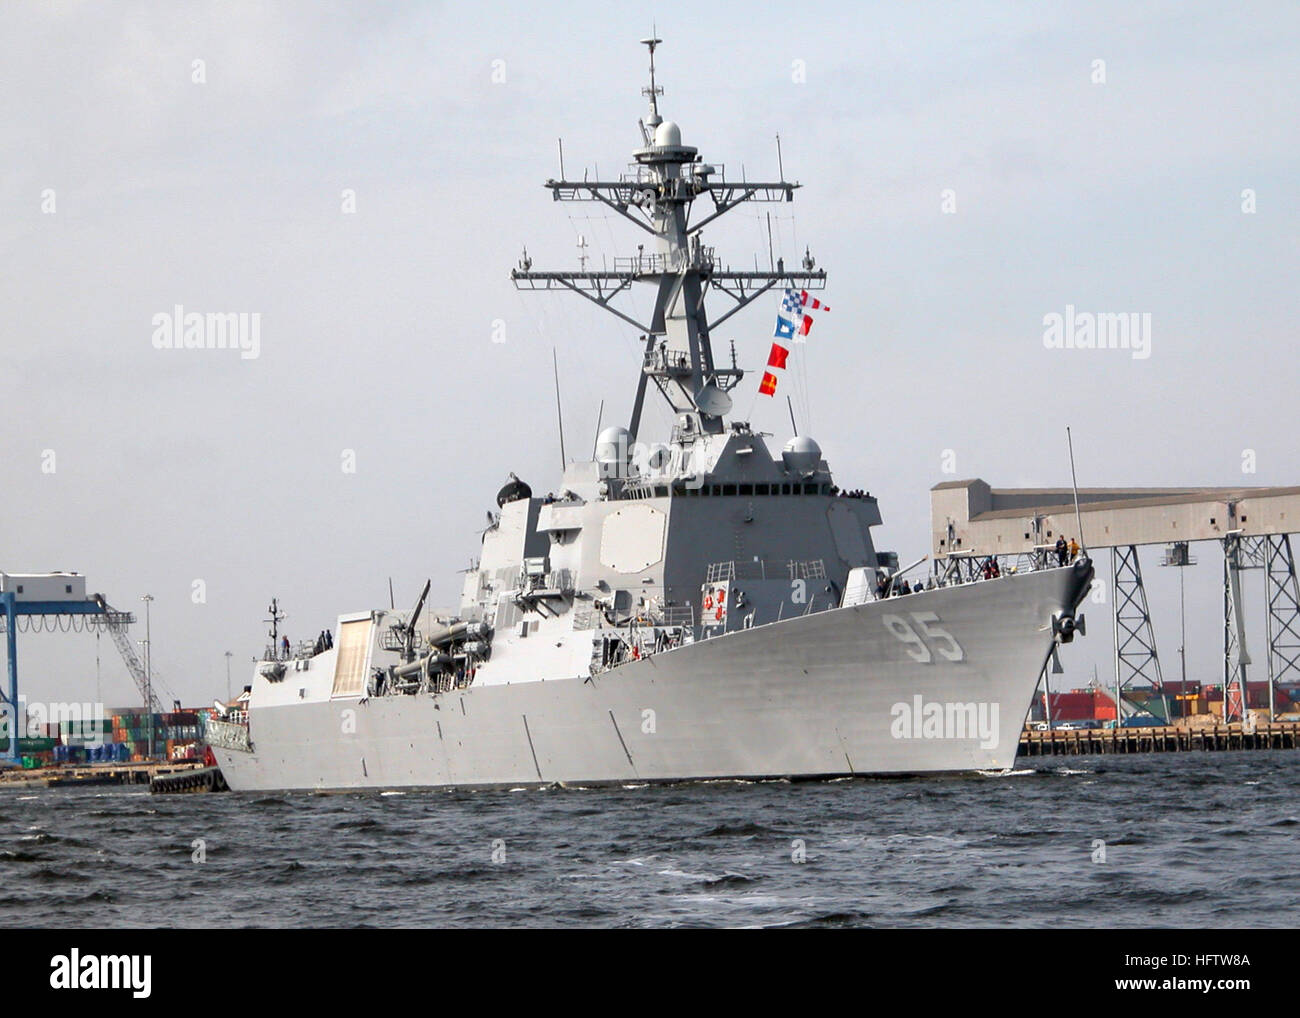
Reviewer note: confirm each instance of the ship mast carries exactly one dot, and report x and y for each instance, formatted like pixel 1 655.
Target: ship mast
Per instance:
pixel 657 195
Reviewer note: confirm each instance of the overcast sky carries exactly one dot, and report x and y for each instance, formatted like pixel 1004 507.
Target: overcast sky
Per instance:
pixel 128 187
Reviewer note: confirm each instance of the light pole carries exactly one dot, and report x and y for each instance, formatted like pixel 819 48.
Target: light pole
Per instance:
pixel 228 657
pixel 148 671
pixel 1179 554
pixel 1182 614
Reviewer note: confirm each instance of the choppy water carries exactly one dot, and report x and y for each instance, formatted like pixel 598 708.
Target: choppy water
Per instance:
pixel 1190 840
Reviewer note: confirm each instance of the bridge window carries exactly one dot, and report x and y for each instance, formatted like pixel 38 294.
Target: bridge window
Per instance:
pixel 746 489
pixel 785 489
pixel 761 489
pixel 728 489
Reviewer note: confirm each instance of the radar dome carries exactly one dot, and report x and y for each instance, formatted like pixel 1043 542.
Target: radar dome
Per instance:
pixel 612 448
pixel 801 456
pixel 668 135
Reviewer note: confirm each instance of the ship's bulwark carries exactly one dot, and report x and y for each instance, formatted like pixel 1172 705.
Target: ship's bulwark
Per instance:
pixel 937 681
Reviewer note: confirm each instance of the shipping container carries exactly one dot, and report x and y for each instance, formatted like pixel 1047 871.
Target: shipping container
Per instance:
pixel 1082 705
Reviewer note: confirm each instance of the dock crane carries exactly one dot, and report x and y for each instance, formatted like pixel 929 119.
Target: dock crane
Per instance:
pixel 116 623
pixel 56 602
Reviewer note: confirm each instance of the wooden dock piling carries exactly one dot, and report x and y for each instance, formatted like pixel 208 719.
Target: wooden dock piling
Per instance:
pixel 85 775
pixel 1160 739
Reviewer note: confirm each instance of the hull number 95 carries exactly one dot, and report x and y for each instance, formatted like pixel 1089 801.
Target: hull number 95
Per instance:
pixel 923 638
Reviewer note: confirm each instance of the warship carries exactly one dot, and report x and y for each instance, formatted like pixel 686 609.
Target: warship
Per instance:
pixel 693 608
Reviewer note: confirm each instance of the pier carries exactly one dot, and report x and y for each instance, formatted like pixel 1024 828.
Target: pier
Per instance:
pixel 1161 739
pixel 112 774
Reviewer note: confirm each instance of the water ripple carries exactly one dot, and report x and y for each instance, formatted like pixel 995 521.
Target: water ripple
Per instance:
pixel 1119 841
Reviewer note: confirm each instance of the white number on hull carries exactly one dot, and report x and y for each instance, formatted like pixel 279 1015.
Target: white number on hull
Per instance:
pixel 916 643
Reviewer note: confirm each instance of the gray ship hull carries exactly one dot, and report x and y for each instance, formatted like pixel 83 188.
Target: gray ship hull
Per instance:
pixel 938 681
